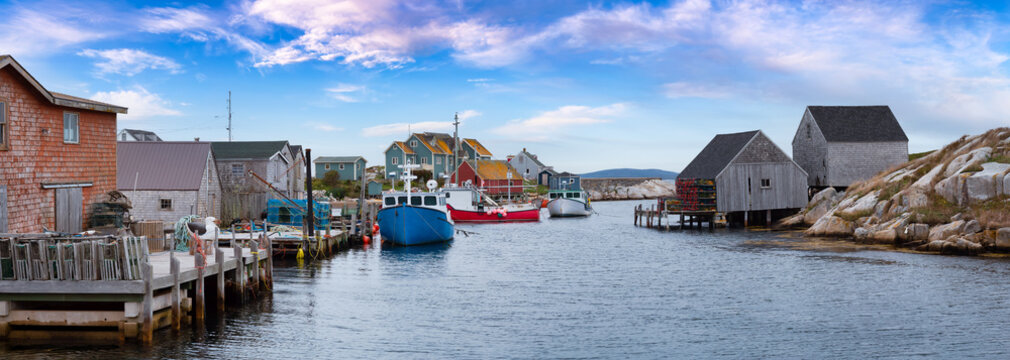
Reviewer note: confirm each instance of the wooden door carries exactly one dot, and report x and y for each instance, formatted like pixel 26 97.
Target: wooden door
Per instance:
pixel 69 210
pixel 3 209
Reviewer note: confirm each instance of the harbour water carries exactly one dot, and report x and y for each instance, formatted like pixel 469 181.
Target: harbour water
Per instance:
pixel 599 287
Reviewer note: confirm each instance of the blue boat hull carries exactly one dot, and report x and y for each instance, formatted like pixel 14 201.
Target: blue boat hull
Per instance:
pixel 410 225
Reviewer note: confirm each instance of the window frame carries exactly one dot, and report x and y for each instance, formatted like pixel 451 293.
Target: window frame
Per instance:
pixel 162 202
pixel 241 172
pixel 326 166
pixel 5 124
pixel 394 160
pixel 424 161
pixel 77 127
pixel 766 183
pixel 340 166
pixel 413 143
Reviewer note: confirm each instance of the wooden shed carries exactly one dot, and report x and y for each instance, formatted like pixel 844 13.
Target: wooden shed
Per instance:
pixel 740 173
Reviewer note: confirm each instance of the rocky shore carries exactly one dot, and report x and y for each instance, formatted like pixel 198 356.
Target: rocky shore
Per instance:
pixel 628 188
pixel 954 201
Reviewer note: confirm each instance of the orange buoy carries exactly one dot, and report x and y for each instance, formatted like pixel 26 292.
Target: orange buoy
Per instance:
pixel 543 203
pixel 365 239
pixel 375 229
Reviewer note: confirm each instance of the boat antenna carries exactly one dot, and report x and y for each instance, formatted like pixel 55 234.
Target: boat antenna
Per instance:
pixel 455 147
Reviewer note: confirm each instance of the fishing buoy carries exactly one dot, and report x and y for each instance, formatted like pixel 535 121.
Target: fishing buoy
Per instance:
pixel 301 254
pixel 375 229
pixel 365 239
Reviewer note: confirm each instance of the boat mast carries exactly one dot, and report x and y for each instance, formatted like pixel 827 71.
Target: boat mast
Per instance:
pixel 455 147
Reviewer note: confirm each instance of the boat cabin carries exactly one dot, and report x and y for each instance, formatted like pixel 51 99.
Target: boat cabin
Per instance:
pixel 567 194
pixel 423 199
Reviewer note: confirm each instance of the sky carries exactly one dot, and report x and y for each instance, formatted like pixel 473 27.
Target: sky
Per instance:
pixel 585 85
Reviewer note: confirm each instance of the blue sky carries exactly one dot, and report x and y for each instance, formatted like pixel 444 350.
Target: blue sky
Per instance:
pixel 586 85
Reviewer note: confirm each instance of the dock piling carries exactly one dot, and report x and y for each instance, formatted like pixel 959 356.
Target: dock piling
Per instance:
pixel 219 264
pixel 176 292
pixel 199 306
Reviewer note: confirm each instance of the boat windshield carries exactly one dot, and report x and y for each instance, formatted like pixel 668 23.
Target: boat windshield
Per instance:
pixel 390 201
pixel 573 195
pixel 430 201
pixel 415 200
pixel 401 200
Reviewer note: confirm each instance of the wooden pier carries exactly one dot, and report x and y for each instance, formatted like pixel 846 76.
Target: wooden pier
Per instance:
pixel 113 289
pixel 652 217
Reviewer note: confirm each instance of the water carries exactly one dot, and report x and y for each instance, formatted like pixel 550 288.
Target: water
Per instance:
pixel 602 288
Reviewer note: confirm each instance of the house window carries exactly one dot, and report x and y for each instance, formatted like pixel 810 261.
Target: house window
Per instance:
pixel 166 204
pixel 71 132
pixel 237 170
pixel 424 161
pixel 3 126
pixel 766 183
pixel 341 166
pixel 438 161
pixel 327 166
pixel 413 143
pixel 394 160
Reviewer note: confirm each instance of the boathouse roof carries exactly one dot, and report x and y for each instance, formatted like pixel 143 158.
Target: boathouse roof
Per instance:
pixel 161 165
pixel 717 155
pixel 494 169
pixel 478 147
pixel 56 98
pixel 252 150
pixel 338 159
pixel 857 123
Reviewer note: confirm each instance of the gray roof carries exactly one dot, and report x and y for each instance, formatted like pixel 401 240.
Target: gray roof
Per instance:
pixel 143 135
pixel 717 155
pixel 255 150
pixel 857 123
pixel 296 150
pixel 56 98
pixel 161 165
pixel 532 157
pixel 338 159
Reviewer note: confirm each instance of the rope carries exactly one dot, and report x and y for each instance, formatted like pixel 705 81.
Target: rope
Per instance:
pixel 182 233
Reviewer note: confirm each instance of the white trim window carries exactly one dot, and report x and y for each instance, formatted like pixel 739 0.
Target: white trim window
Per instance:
pixel 340 166
pixel 326 166
pixel 3 125
pixel 394 160
pixel 71 128
pixel 438 161
pixel 413 143
pixel 237 170
pixel 766 183
pixel 166 204
pixel 424 160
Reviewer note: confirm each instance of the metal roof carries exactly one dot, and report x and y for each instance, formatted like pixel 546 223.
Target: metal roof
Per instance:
pixel 161 165
pixel 56 98
pixel 717 155
pixel 338 159
pixel 253 150
pixel 477 147
pixel 857 123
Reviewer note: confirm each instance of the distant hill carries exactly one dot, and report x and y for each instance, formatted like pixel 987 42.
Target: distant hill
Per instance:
pixel 631 173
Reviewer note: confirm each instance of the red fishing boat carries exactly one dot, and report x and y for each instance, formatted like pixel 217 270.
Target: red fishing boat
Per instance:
pixel 469 205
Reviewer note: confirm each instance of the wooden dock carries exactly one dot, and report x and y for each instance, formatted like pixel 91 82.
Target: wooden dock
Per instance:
pixel 652 217
pixel 112 289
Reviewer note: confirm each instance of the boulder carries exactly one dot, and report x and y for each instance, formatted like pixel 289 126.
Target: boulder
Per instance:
pixel 865 204
pixel 986 184
pixel 791 222
pixel 886 236
pixel 916 232
pixel 816 213
pixel 935 245
pixel 831 226
pixel 927 180
pixel 1006 184
pixel 1003 238
pixel 942 232
pixel 861 233
pixel 971 227
pixel 965 246
pixel 827 195
pixel 952 188
pixel 962 162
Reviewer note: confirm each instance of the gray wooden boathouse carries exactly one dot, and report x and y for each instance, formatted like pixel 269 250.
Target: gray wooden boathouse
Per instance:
pixel 750 174
pixel 839 145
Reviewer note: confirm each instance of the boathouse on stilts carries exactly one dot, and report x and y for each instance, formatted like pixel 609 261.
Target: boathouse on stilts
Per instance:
pixel 742 177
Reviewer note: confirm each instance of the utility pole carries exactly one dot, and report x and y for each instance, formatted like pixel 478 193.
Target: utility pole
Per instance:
pixel 229 115
pixel 455 147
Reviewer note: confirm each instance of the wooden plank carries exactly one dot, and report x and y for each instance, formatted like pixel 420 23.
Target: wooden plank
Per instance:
pixel 66 317
pixel 120 287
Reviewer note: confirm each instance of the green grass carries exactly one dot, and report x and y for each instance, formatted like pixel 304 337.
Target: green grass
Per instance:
pixel 888 190
pixel 999 158
pixel 919 155
pixel 852 217
pixel 976 167
pixel 938 212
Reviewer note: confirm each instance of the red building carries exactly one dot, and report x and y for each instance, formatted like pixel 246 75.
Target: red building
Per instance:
pixel 57 154
pixel 490 175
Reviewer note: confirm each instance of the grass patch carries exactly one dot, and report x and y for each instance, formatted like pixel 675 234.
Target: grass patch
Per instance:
pixel 938 212
pixel 893 188
pixel 973 168
pixel 993 214
pixel 1000 158
pixel 919 155
pixel 852 217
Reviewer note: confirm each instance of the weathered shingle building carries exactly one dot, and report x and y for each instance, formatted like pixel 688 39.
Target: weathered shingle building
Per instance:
pixel 527 164
pixel 749 173
pixel 839 145
pixel 138 135
pixel 244 197
pixel 167 180
pixel 57 154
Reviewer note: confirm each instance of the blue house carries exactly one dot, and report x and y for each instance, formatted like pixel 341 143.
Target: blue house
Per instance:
pixel 349 167
pixel 433 152
pixel 565 181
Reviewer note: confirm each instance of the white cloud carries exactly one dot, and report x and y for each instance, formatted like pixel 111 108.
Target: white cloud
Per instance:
pixel 467 114
pixel 548 124
pixel 129 62
pixel 343 92
pixel 27 32
pixel 197 23
pixel 322 126
pixel 406 128
pixel 141 103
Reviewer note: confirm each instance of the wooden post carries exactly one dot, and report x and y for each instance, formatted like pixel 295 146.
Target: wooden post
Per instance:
pixel 354 224
pixel 667 215
pixel 199 306
pixel 239 284
pixel 176 293
pixel 219 260
pixel 147 328
pixel 768 218
pixel 711 222
pixel 270 264
pixel 254 246
pixel 745 215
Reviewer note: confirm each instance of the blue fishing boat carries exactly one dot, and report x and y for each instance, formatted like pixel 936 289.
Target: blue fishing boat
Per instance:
pixel 415 218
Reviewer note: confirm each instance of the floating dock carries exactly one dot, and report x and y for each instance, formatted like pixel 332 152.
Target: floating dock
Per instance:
pixel 658 218
pixel 111 288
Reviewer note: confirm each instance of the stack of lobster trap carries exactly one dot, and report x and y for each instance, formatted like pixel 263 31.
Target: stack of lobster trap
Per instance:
pixel 72 258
